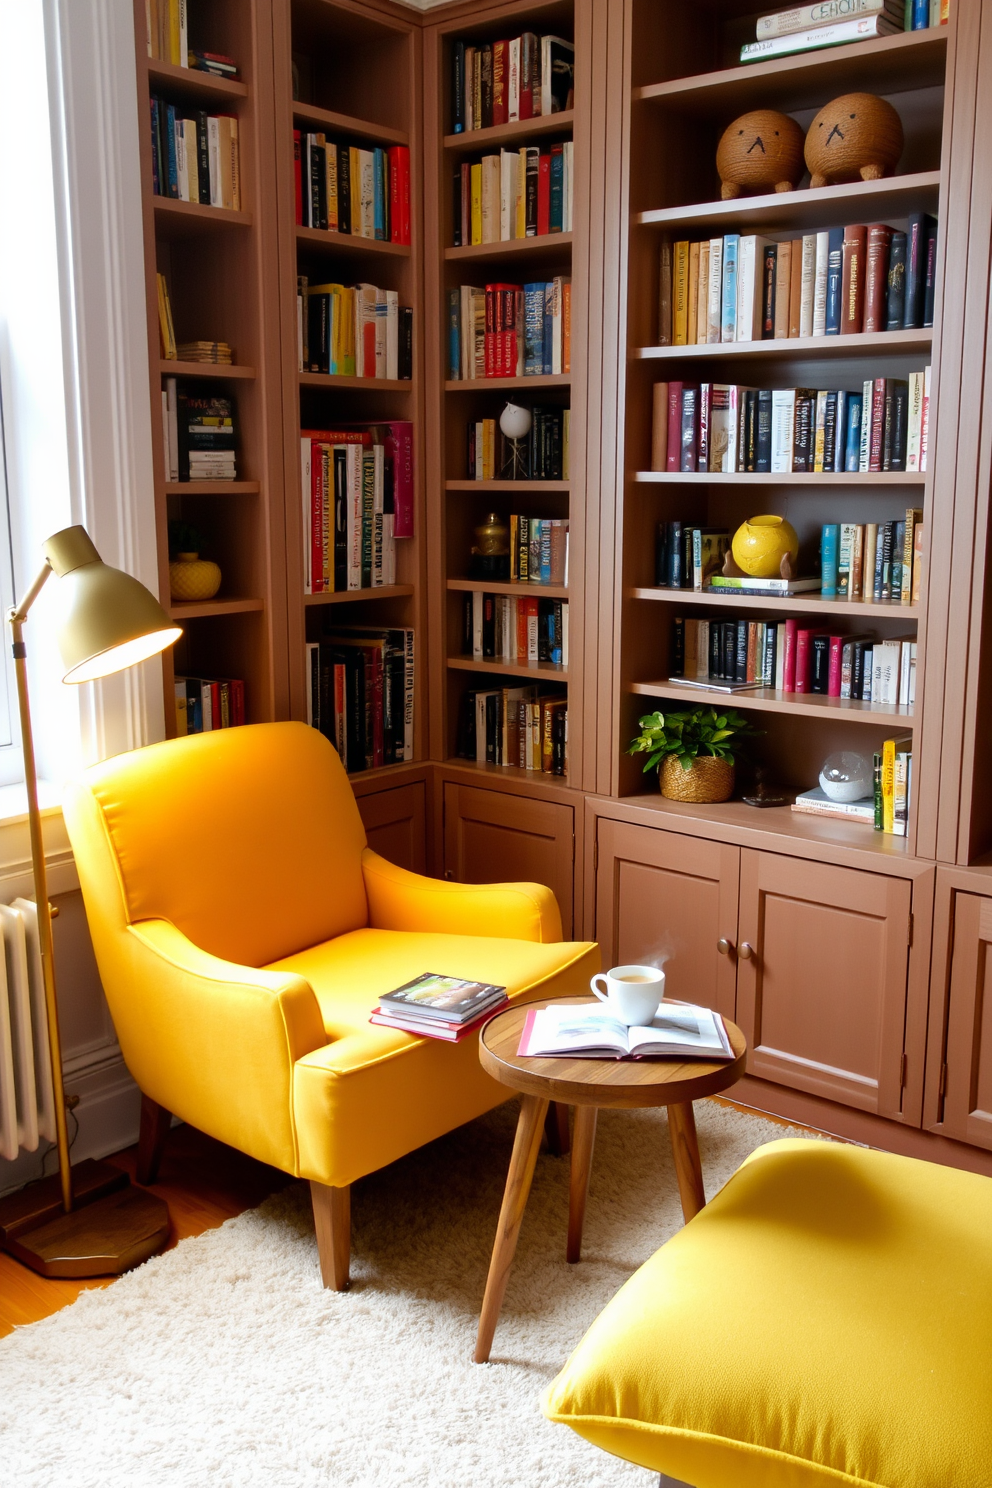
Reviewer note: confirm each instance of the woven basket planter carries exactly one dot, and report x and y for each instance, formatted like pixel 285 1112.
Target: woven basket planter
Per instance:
pixel 709 779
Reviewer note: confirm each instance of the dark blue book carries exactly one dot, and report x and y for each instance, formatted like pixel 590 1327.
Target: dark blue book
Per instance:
pixel 171 165
pixel 852 447
pixel 675 555
pixel 458 88
pixel 835 266
pixel 921 15
pixel 763 430
pixel 454 335
pixel 930 273
pixel 895 303
pixel 156 149
pixel 689 429
pixel 916 254
pixel 557 190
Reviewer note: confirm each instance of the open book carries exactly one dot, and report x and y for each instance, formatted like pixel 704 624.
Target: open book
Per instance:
pixel 679 1030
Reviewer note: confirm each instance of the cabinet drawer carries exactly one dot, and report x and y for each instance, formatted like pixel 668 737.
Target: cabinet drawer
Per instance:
pixel 495 837
pixel 396 825
pixel 968 1079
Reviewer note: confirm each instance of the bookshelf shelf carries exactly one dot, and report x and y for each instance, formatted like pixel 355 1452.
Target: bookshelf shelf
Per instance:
pixel 810 348
pixel 335 242
pixel 782 478
pixel 516 384
pixel 204 369
pixel 507 487
pixel 366 384
pixel 772 700
pixel 181 219
pixel 354 596
pixel 507 772
pixel 330 122
pixel 786 210
pixel 546 669
pixel 911 59
pixel 486 586
pixel 520 130
pixel 811 604
pixel 190 80
pixel 210 607
pixel 212 488
pixel 512 247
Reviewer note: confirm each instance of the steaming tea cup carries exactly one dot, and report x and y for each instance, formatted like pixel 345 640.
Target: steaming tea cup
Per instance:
pixel 632 992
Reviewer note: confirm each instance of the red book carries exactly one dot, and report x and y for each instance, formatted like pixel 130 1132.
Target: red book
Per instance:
pixel 877 434
pixel 489 344
pixel 674 456
pixel 789 658
pixel 543 195
pixel 501 330
pixel 852 293
pixel 237 701
pixel 501 81
pixel 877 277
pixel 298 176
pixel 804 659
pixel 438 1028
pixel 833 672
pixel 399 185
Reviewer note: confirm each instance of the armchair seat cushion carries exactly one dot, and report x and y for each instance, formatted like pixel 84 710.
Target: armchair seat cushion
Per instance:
pixel 826 1320
pixel 347 1095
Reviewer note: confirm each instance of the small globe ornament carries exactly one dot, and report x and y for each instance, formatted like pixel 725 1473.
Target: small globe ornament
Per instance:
pixel 515 421
pixel 846 776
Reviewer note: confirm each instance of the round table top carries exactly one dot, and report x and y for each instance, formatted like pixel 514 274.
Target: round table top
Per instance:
pixel 602 1082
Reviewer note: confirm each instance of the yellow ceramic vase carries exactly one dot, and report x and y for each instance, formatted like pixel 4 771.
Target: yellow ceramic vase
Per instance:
pixel 192 577
pixel 761 543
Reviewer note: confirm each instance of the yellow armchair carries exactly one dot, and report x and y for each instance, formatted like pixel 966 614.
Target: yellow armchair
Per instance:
pixel 244 931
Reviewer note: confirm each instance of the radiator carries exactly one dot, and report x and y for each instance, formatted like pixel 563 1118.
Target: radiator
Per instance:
pixel 27 1112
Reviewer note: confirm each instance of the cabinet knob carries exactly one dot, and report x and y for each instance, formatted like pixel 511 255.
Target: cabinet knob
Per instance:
pixel 724 946
pixel 745 951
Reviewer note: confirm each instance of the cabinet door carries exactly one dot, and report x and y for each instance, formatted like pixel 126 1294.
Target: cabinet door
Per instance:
pixel 494 837
pixel 665 898
pixel 968 1081
pixel 823 960
pixel 396 825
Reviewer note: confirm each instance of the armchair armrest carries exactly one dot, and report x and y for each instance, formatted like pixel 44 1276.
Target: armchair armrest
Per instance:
pixel 400 900
pixel 214 1042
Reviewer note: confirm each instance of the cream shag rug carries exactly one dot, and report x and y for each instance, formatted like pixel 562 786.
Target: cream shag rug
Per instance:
pixel 224 1362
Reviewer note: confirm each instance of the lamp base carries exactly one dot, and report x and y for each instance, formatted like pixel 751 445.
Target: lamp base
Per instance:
pixel 112 1228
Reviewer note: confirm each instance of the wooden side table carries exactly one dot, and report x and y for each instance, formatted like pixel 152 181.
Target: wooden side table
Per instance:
pixel 587 1084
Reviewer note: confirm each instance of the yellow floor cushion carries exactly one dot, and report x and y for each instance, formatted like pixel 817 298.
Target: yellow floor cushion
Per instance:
pixel 826 1320
pixel 375 1071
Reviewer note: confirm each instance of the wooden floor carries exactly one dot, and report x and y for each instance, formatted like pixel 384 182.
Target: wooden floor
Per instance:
pixel 202 1181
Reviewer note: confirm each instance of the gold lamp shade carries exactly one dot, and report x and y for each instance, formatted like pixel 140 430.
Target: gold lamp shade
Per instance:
pixel 109 620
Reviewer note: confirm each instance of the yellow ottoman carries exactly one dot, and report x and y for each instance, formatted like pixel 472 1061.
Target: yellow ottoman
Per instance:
pixel 825 1320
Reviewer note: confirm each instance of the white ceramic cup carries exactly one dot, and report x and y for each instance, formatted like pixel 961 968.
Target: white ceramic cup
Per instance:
pixel 632 993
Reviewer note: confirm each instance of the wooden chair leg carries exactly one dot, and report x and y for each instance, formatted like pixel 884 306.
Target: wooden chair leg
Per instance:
pixel 152 1132
pixel 665 1482
pixel 685 1150
pixel 556 1129
pixel 583 1139
pixel 533 1109
pixel 332 1221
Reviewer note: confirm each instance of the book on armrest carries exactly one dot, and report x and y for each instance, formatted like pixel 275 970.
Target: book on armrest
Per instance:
pixel 577 1031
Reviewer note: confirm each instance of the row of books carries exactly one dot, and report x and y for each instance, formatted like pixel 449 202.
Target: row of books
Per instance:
pixel 725 428
pixel 195 158
pixel 510 330
pixel 804 30
pixel 839 282
pixel 353 330
pixel 357 490
pixel 360 693
pixel 203 704
pixel 500 82
pixel 517 628
pixel 198 436
pixel 734 655
pixel 167 39
pixel 521 727
pixel 541 455
pixel 887 808
pixel 515 194
pixel 538 550
pixel 347 189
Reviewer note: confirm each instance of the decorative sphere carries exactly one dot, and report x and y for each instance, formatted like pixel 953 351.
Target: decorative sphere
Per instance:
pixel 846 776
pixel 762 150
pixel 515 421
pixel 761 543
pixel 856 135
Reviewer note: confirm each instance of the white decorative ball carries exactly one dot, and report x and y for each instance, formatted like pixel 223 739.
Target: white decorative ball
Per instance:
pixel 847 776
pixel 515 421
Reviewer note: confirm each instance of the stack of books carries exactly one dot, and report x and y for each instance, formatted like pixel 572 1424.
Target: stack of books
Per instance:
pixel 217 63
pixel 510 330
pixel 500 82
pixel 841 281
pixel 360 694
pixel 199 436
pixel 544 456
pixel 204 704
pixel 345 188
pixel 357 490
pixel 515 194
pixel 441 1007
pixel 195 158
pixel 508 627
pixel 355 330
pixel 522 727
pixel 538 550
pixel 839 22
pixel 217 352
pixel 724 428
pixel 887 808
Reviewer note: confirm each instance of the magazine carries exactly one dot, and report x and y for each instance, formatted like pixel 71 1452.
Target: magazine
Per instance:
pixel 679 1030
pixel 449 999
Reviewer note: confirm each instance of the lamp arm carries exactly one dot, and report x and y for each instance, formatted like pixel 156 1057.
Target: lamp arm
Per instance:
pixel 16 618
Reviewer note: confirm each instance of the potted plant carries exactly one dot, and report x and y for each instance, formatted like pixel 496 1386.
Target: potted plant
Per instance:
pixel 693 750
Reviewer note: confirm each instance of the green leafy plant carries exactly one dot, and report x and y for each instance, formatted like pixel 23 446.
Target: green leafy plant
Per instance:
pixel 183 538
pixel 689 734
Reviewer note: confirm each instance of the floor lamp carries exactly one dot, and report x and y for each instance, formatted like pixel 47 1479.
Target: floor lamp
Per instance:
pixel 87 1222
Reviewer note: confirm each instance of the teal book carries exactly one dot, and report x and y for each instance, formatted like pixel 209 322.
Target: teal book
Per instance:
pixel 829 544
pixel 728 298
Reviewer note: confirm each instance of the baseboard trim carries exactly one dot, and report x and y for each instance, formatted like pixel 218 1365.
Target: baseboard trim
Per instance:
pixel 108 1113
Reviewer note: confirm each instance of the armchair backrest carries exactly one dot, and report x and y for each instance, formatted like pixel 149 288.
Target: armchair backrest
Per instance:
pixel 248 840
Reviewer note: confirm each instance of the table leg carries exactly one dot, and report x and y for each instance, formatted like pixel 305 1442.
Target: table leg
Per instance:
pixel 583 1138
pixel 530 1123
pixel 685 1150
pixel 556 1129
